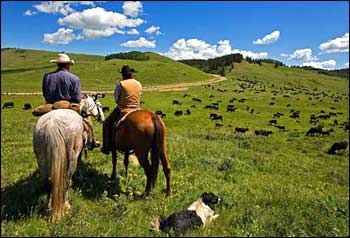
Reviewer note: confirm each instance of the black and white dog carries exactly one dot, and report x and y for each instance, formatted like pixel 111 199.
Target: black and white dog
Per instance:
pixel 198 214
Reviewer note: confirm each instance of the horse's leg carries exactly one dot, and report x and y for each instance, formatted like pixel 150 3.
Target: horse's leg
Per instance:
pixel 114 163
pixel 166 170
pixel 126 162
pixel 142 156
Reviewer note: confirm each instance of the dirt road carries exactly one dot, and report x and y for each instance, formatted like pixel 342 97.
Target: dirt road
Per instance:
pixel 160 88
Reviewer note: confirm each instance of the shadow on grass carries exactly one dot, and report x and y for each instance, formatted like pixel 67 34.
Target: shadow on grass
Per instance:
pixel 19 200
pixel 92 184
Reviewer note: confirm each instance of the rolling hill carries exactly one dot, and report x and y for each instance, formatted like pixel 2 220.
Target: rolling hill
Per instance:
pixel 22 70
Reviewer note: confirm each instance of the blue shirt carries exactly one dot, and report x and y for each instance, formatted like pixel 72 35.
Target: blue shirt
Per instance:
pixel 61 85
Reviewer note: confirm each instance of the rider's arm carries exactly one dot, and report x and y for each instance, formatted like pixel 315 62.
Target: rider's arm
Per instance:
pixel 117 91
pixel 76 91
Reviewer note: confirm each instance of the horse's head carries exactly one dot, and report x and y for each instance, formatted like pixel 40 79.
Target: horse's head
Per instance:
pixel 95 108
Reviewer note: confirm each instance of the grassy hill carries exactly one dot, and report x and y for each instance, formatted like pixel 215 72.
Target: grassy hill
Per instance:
pixel 22 70
pixel 281 185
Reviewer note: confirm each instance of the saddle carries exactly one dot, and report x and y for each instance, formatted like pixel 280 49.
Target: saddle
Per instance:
pixel 62 104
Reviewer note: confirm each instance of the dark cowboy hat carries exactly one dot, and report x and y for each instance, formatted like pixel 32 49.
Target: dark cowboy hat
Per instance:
pixel 126 70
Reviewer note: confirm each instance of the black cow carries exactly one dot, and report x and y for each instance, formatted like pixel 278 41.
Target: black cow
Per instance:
pixel 196 100
pixel 314 130
pixel 186 95
pixel 211 107
pixel 188 112
pixel 27 106
pixel 342 145
pixel 176 102
pixel 178 113
pixel 272 122
pixel 218 125
pixel 262 132
pixel 251 111
pixel 241 129
pixel 231 108
pixel 105 109
pixel 8 105
pixel 272 103
pixel 281 128
pixel 160 113
pixel 214 116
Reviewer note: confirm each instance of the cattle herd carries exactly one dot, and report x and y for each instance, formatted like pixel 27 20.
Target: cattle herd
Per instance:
pixel 317 120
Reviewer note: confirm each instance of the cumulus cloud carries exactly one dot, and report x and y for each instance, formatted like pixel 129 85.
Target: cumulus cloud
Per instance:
pixel 301 54
pixel 63 36
pixel 153 29
pixel 340 44
pixel 63 7
pixel 97 22
pixel 199 49
pixel 133 32
pixel 347 65
pixel 29 13
pixel 140 43
pixel 268 39
pixel 132 9
pixel 329 64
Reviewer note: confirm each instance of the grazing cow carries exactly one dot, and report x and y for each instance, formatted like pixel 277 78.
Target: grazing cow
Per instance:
pixel 232 100
pixel 218 125
pixel 186 95
pixel 241 129
pixel 251 111
pixel 272 103
pixel 247 108
pixel 322 111
pixel 105 109
pixel 231 108
pixel 342 145
pixel 8 105
pixel 193 106
pixel 332 114
pixel 288 105
pixel 314 130
pixel 188 112
pixel 272 122
pixel 281 128
pixel 196 100
pixel 176 102
pixel 211 96
pixel 324 117
pixel 160 113
pixel 178 113
pixel 262 132
pixel 277 115
pixel 242 100
pixel 211 107
pixel 295 114
pixel 27 106
pixel 214 116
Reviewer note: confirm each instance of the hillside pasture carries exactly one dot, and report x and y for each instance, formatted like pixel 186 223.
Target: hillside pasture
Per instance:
pixel 281 185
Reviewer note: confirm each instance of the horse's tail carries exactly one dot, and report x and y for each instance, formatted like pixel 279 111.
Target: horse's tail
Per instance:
pixel 157 147
pixel 56 150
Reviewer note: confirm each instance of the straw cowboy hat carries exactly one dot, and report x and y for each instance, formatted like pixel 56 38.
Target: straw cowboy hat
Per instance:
pixel 62 58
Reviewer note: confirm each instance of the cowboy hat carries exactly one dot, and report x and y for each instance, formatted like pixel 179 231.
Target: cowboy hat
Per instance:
pixel 126 70
pixel 62 59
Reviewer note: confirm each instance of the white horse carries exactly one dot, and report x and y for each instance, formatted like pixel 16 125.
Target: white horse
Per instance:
pixel 58 142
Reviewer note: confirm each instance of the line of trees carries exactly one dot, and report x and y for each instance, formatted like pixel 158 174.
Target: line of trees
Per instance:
pixel 215 65
pixel 132 55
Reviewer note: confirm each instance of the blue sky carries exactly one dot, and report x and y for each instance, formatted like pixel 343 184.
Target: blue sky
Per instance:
pixel 296 33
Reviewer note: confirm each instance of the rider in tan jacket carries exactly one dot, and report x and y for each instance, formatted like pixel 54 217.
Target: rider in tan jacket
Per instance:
pixel 127 95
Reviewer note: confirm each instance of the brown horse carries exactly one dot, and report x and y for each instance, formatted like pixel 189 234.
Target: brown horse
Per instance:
pixel 142 131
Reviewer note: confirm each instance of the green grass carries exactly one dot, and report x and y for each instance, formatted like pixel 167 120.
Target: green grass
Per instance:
pixel 23 70
pixel 282 185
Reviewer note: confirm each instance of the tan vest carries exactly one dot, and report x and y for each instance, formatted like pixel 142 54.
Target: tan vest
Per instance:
pixel 130 95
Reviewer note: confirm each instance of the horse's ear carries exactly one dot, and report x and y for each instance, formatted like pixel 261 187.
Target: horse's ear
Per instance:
pixel 84 96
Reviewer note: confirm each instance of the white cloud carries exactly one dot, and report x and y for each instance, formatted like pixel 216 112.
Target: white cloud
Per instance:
pixel 93 34
pixel 301 54
pixel 133 32
pixel 340 44
pixel 198 49
pixel 347 65
pixel 62 36
pixel 153 29
pixel 98 19
pixel 63 7
pixel 132 9
pixel 29 13
pixel 140 43
pixel 54 7
pixel 329 64
pixel 268 39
